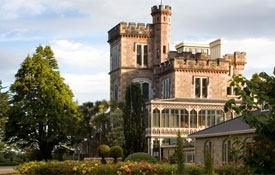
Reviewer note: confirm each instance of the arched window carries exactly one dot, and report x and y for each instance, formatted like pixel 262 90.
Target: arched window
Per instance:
pixel 193 119
pixel 156 119
pixel 202 118
pixel 145 86
pixel 226 149
pixel 184 118
pixel 208 150
pixel 165 118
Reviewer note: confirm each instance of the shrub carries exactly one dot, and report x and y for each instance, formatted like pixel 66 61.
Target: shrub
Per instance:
pixel 141 156
pixel 103 151
pixel 193 169
pixel 116 152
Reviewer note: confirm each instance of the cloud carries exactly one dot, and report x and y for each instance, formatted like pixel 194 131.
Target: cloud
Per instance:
pixel 77 33
pixel 84 67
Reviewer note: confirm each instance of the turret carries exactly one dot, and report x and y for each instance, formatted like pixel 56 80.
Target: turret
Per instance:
pixel 161 31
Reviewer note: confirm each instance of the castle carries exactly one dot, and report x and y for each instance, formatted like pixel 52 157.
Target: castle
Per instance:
pixel 185 90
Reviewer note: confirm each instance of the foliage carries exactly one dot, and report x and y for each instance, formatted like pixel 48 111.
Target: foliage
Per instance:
pixel 95 168
pixel 116 136
pixel 180 154
pixel 4 107
pixel 116 152
pixel 134 120
pixel 193 169
pixel 103 151
pixel 141 156
pixel 42 110
pixel 232 169
pixel 208 162
pixel 100 121
pixel 257 93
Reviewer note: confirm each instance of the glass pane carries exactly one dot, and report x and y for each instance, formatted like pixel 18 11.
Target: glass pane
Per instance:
pixel 197 87
pixel 139 54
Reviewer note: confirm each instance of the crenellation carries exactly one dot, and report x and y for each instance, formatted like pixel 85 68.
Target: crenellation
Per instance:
pixel 129 29
pixel 161 8
pixel 181 63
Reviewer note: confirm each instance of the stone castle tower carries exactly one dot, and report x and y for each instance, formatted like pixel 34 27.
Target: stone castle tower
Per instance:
pixel 136 50
pixel 185 90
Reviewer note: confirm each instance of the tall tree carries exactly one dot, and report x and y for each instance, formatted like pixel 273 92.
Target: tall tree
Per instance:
pixel 134 120
pixel 116 134
pixel 42 107
pixel 4 107
pixel 257 93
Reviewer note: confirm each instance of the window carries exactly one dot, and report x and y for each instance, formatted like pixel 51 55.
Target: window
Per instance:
pixel 209 118
pixel 201 89
pixel 208 150
pixel 226 149
pixel 230 90
pixel 145 90
pixel 145 85
pixel 142 55
pixel 156 115
pixel 193 119
pixel 165 118
pixel 166 88
pixel 115 57
pixel 184 118
pixel 174 119
pixel 116 93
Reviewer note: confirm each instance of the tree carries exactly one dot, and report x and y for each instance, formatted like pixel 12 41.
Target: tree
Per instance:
pixel 116 135
pixel 4 107
pixel 103 152
pixel 116 152
pixel 42 108
pixel 180 154
pixel 134 120
pixel 258 93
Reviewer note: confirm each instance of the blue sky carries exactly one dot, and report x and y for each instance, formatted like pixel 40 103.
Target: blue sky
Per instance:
pixel 77 30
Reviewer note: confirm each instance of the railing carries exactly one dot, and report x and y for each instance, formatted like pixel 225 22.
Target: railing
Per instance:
pixel 159 131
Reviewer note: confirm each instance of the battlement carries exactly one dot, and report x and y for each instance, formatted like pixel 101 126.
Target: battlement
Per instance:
pixel 129 29
pixel 194 62
pixel 161 8
pixel 236 58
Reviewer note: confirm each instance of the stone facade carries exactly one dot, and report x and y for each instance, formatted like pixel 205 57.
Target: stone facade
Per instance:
pixel 221 147
pixel 185 90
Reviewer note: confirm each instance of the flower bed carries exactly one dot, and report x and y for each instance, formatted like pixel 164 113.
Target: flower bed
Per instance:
pixel 92 167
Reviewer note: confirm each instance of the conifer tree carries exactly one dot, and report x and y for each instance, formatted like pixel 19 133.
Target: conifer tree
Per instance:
pixel 180 154
pixel 134 120
pixel 42 109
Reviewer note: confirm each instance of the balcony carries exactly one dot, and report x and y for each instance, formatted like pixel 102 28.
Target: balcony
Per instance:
pixel 169 132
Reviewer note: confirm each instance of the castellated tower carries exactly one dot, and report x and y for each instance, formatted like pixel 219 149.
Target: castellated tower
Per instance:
pixel 135 48
pixel 161 28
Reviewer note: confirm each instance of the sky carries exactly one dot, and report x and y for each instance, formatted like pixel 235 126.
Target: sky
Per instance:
pixel 77 31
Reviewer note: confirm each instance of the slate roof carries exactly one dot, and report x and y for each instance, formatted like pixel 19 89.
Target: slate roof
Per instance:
pixel 234 126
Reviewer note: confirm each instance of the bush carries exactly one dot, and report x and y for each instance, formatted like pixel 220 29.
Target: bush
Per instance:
pixel 141 156
pixel 193 169
pixel 116 152
pixel 103 151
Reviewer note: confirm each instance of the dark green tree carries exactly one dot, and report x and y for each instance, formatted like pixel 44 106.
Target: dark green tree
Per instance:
pixel 256 94
pixel 180 154
pixel 134 120
pixel 4 107
pixel 42 110
pixel 116 152
pixel 116 135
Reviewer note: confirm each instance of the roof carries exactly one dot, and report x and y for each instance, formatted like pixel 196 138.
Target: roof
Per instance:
pixel 234 126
